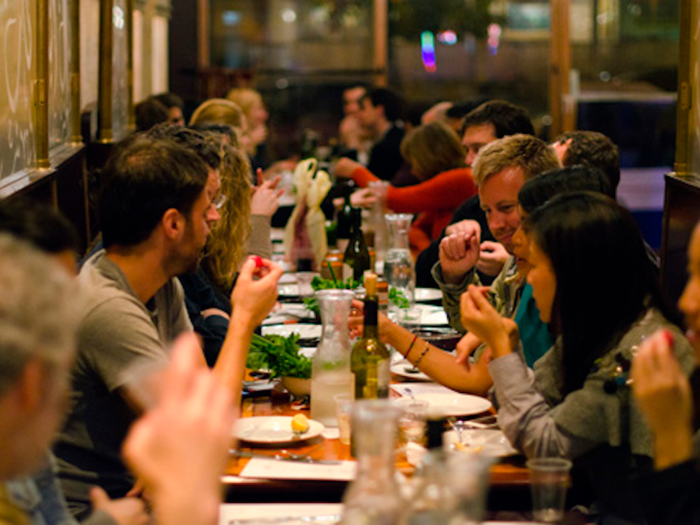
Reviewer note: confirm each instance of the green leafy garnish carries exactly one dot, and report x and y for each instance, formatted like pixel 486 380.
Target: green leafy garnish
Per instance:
pixel 279 355
pixel 319 283
pixel 397 298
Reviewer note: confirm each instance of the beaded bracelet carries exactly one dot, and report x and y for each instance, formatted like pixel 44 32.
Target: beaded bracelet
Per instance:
pixel 420 358
pixel 410 347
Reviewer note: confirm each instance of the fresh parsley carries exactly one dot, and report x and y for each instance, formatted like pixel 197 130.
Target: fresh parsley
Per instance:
pixel 279 355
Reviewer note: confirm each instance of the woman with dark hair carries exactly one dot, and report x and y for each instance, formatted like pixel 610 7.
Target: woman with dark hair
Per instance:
pixel 596 288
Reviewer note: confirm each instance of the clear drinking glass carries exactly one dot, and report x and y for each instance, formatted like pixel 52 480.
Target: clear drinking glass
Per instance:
pixel 398 261
pixel 330 370
pixel 549 481
pixel 374 496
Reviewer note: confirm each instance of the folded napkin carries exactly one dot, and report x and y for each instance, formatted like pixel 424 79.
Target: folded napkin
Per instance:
pixel 305 234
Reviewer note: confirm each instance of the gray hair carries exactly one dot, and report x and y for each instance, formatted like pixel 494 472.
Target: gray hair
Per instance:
pixel 39 310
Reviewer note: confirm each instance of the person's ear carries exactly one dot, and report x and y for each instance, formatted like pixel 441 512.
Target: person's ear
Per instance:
pixel 173 223
pixel 32 385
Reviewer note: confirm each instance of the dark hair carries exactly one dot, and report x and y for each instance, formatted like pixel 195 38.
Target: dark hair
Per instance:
pixel 143 178
pixel 604 279
pixel 170 100
pixel 192 140
pixel 591 148
pixel 393 104
pixel 150 112
pixel 462 108
pixel 38 224
pixel 538 190
pixel 506 118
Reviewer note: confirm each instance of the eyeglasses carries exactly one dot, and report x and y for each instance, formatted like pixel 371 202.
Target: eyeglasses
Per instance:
pixel 219 200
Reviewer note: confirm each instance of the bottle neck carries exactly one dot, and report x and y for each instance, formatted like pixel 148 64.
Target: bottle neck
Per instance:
pixel 371 318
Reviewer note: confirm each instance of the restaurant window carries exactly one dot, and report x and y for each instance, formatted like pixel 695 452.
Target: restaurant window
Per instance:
pixel 17 148
pixel 60 35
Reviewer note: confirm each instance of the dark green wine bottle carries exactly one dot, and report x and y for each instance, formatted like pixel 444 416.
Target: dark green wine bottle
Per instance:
pixel 370 360
pixel 356 254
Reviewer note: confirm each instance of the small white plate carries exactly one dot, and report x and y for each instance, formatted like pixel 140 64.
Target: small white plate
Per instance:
pixel 427 294
pixel 288 278
pixel 400 369
pixel 447 405
pixel 492 443
pixel 431 315
pixel 305 331
pixel 288 290
pixel 273 430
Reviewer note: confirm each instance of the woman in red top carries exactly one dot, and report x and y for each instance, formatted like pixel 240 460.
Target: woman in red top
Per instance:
pixel 437 159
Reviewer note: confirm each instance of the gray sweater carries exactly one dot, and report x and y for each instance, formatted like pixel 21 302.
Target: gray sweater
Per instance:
pixel 605 434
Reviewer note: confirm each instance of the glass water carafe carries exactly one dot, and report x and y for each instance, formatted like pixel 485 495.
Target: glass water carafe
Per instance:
pixel 398 261
pixel 330 371
pixel 374 497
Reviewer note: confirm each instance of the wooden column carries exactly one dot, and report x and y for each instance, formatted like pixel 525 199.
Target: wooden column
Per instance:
pixel 131 118
pixel 76 135
pixel 41 85
pixel 685 124
pixel 105 132
pixel 559 66
pixel 203 35
pixel 381 39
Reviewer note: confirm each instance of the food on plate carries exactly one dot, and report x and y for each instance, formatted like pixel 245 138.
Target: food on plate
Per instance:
pixel 300 424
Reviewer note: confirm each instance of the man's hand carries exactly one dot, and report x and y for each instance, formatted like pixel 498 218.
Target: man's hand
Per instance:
pixel 663 394
pixel 265 198
pixel 255 292
pixel 345 167
pixel 492 257
pixel 124 511
pixel 459 253
pixel 467 227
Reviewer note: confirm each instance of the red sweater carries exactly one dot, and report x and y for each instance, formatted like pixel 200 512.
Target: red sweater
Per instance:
pixel 435 200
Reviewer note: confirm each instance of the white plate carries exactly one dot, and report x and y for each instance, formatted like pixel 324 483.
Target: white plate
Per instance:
pixel 305 331
pixel 288 278
pixel 427 294
pixel 273 430
pixel 431 315
pixel 446 405
pixel 492 443
pixel 400 370
pixel 288 290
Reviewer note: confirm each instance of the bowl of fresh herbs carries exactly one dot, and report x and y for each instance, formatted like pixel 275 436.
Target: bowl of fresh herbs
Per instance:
pixel 281 357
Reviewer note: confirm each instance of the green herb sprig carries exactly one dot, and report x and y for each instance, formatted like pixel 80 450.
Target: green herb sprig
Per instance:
pixel 279 355
pixel 319 283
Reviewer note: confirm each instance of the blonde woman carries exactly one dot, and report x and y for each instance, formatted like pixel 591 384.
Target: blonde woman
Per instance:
pixel 223 112
pixel 208 289
pixel 253 107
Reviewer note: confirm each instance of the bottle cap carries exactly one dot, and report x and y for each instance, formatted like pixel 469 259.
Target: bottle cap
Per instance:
pixel 370 283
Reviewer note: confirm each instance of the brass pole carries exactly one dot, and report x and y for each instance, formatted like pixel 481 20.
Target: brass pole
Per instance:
pixel 381 30
pixel 131 122
pixel 559 65
pixel 684 120
pixel 105 134
pixel 76 135
pixel 41 91
pixel 203 52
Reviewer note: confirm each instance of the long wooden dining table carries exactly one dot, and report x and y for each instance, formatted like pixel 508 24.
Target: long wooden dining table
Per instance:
pixel 509 483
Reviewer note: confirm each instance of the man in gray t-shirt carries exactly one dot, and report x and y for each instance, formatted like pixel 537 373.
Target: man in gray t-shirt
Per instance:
pixel 156 209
